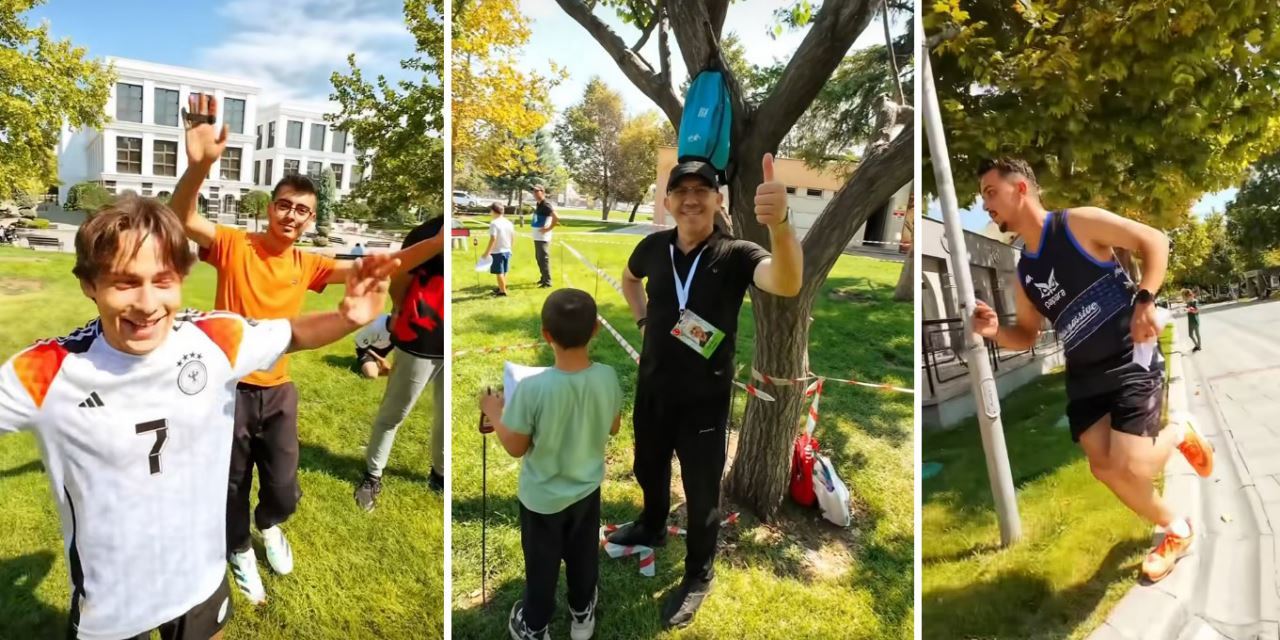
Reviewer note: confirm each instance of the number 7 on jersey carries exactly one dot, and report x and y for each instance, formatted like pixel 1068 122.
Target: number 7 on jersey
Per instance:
pixel 161 427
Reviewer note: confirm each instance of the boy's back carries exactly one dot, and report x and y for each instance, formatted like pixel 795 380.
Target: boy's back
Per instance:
pixel 569 417
pixel 504 234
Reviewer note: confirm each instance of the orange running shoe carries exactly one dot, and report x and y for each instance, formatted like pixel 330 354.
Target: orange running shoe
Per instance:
pixel 1196 450
pixel 1159 563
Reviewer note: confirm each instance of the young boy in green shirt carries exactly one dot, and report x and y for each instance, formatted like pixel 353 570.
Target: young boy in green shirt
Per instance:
pixel 560 421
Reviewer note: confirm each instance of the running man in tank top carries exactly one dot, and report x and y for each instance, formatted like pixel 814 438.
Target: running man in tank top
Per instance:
pixel 1069 275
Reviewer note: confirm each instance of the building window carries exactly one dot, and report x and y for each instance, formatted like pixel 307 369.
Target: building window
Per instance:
pixel 257 170
pixel 129 102
pixel 166 107
pixel 266 177
pixel 817 193
pixel 128 155
pixel 314 169
pixel 231 163
pixel 337 174
pixel 293 139
pixel 257 144
pixel 234 114
pixel 164 160
pixel 271 135
pixel 317 137
pixel 291 167
pixel 339 141
pixel 791 191
pixel 110 185
pixel 146 189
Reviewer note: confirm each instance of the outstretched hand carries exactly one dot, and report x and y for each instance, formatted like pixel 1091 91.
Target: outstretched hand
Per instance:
pixel 205 143
pixel 366 290
pixel 771 196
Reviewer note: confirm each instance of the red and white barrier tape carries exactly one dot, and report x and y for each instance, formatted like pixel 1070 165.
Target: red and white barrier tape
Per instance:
pixel 814 390
pixel 779 381
pixel 648 559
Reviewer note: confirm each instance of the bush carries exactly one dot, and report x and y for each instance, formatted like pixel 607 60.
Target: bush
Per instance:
pixel 355 210
pixel 88 197
pixel 32 223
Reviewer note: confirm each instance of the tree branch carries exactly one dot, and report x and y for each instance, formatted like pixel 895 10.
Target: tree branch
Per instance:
pixel 648 29
pixel 637 70
pixel 834 29
pixel 664 59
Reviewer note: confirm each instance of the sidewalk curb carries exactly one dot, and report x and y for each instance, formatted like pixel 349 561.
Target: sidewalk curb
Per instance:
pixel 1172 609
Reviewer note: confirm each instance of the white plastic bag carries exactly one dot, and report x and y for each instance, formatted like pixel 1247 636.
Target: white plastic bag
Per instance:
pixel 484 264
pixel 833 495
pixel 1143 351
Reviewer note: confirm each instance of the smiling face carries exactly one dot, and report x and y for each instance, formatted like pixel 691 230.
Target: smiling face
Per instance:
pixel 131 259
pixel 694 203
pixel 290 213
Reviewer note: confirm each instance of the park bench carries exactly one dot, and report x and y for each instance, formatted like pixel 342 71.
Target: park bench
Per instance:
pixel 337 240
pixel 378 244
pixel 44 241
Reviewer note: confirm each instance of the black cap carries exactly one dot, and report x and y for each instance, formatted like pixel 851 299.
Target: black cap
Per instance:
pixel 697 168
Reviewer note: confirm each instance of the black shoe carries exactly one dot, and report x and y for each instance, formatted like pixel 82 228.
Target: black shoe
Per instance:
pixel 637 534
pixel 367 492
pixel 544 285
pixel 521 631
pixel 499 294
pixel 435 481
pixel 683 603
pixel 1196 349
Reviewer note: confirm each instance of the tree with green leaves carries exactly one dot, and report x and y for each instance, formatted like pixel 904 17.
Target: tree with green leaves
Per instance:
pixel 1132 106
pixel 44 84
pixel 326 204
pixel 590 135
pixel 532 162
pixel 638 155
pixel 398 126
pixel 255 202
pixel 761 121
pixel 1253 216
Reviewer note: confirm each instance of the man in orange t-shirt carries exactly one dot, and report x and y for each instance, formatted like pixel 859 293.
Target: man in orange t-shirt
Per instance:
pixel 264 276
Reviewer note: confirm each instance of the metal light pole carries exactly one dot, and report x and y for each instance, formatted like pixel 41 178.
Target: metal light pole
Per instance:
pixel 981 378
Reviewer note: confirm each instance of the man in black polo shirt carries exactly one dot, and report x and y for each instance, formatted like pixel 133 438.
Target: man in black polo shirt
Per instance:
pixel 688 309
pixel 544 220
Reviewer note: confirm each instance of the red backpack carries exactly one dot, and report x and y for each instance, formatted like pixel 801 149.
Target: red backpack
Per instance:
pixel 803 455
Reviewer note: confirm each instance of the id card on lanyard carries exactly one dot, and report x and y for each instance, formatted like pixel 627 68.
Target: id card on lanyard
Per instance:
pixel 696 333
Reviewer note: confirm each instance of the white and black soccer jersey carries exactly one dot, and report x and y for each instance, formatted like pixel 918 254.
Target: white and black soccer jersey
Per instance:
pixel 137 451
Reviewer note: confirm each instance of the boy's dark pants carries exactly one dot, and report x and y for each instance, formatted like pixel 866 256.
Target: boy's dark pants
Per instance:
pixel 571 535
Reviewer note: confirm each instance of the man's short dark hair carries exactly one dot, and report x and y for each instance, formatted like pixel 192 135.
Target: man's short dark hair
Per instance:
pixel 1007 166
pixel 495 207
pixel 100 241
pixel 297 183
pixel 569 315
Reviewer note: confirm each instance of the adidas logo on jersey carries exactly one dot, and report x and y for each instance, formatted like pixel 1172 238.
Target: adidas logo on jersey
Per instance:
pixel 92 402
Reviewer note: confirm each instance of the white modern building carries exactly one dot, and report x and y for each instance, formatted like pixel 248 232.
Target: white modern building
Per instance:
pixel 293 138
pixel 141 147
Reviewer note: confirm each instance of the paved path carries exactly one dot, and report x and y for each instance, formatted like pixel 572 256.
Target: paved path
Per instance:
pixel 1227 587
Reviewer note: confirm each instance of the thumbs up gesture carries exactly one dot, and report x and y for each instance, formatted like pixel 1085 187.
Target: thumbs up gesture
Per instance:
pixel 771 197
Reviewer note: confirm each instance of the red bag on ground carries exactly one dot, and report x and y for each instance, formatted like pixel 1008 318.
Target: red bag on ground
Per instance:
pixel 803 457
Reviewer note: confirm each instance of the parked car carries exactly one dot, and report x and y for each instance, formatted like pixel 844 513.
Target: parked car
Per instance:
pixel 464 199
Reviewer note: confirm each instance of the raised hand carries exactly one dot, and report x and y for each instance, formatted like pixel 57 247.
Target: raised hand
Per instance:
pixel 204 142
pixel 985 321
pixel 366 293
pixel 771 197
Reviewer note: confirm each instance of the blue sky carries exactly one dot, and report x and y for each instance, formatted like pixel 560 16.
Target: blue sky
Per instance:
pixel 557 37
pixel 288 47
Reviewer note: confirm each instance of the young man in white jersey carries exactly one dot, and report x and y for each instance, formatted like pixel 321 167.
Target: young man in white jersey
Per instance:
pixel 134 414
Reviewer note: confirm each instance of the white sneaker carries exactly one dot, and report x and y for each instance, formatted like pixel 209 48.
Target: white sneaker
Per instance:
pixel 583 623
pixel 279 553
pixel 244 568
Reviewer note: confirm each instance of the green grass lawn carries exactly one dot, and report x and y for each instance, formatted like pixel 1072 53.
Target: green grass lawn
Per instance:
pixel 1081 547
pixel 798 577
pixel 357 575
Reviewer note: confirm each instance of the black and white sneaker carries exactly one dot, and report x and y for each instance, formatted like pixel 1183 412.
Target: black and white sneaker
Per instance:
pixel 367 492
pixel 683 603
pixel 583 624
pixel 521 631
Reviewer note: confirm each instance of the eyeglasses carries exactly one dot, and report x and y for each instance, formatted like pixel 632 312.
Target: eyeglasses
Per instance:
pixel 288 206
pixel 696 192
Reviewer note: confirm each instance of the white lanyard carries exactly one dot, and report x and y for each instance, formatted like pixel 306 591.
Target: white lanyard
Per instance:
pixel 682 288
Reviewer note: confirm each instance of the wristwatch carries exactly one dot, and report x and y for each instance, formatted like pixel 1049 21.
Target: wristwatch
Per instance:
pixel 1143 297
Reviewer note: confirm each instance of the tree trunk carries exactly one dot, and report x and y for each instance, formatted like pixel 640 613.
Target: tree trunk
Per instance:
pixel 761 467
pixel 520 207
pixel 905 291
pixel 634 208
